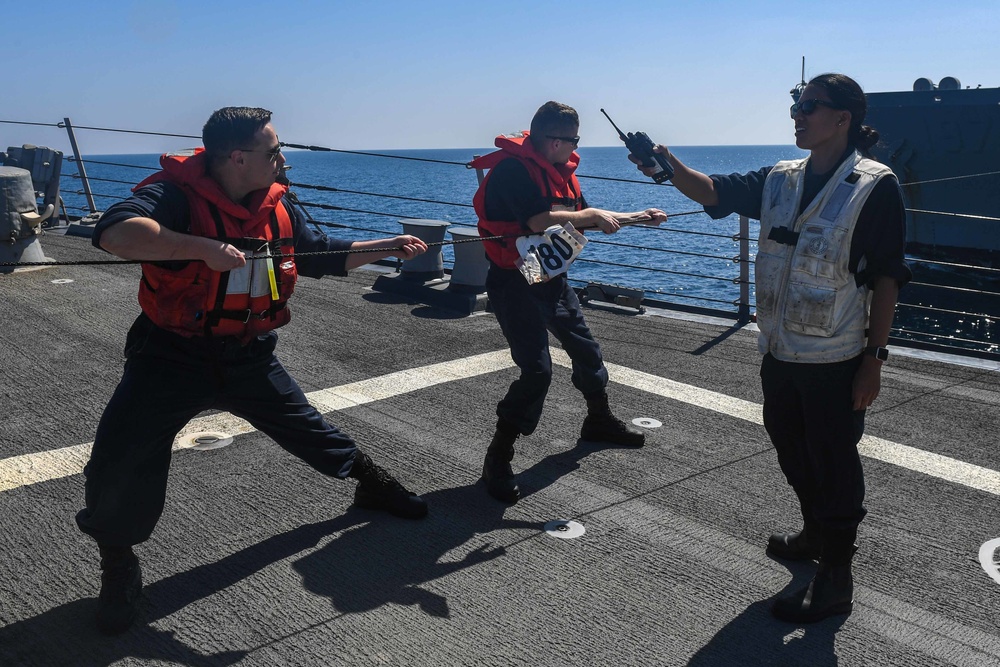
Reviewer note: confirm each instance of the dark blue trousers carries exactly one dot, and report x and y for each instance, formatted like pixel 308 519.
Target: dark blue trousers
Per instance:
pixel 809 414
pixel 168 380
pixel 527 314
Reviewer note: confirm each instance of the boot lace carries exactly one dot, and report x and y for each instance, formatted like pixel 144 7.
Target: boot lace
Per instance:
pixel 115 580
pixel 381 479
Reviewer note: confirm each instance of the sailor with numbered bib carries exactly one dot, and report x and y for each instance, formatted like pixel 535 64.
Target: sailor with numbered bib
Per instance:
pixel 530 209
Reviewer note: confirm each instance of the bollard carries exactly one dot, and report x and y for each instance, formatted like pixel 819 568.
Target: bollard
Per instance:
pixel 471 265
pixel 430 265
pixel 20 222
pixel 45 165
pixel 422 279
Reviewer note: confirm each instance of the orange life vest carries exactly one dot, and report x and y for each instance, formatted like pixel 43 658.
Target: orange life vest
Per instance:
pixel 195 300
pixel 557 182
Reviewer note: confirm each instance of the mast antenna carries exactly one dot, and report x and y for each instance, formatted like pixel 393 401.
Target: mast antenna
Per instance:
pixel 796 92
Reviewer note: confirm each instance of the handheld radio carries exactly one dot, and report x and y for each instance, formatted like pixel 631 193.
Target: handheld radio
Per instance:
pixel 640 145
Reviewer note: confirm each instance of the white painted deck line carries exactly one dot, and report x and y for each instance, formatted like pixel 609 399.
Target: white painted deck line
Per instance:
pixel 911 458
pixel 28 469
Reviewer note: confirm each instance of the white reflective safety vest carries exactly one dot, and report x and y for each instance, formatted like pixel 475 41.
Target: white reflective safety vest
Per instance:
pixel 809 308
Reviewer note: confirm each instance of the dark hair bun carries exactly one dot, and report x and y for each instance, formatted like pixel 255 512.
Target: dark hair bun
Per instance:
pixel 866 137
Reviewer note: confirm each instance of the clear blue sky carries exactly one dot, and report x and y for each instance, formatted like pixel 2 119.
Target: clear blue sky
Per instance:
pixel 453 74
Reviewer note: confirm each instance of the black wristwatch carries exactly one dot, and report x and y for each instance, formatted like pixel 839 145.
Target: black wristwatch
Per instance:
pixel 880 353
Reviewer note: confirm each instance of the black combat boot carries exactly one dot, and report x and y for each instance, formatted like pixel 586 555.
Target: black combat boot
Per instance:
pixel 121 586
pixel 807 544
pixel 497 473
pixel 378 490
pixel 831 592
pixel 602 426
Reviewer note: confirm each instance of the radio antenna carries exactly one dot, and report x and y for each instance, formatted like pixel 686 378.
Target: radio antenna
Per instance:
pixel 620 133
pixel 796 92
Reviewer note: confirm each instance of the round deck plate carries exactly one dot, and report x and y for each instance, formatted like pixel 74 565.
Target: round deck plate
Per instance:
pixel 564 529
pixel 647 422
pixel 207 440
pixel 989 558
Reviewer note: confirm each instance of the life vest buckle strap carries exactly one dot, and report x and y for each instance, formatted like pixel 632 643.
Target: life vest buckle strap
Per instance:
pixel 246 315
pixel 254 245
pixel 262 315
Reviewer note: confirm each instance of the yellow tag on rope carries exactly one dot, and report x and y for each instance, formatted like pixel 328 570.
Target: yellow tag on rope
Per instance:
pixel 270 276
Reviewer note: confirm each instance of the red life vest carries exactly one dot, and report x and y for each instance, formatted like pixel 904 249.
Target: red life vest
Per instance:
pixel 557 182
pixel 195 300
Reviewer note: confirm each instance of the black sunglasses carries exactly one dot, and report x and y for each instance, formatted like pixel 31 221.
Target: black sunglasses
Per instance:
pixel 808 106
pixel 272 153
pixel 570 140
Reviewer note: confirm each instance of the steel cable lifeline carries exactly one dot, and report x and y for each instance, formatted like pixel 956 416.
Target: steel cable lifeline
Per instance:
pixel 327 188
pixel 72 158
pixel 467 165
pixel 23 122
pixel 935 309
pixel 734 281
pixel 98 194
pixel 103 129
pixel 949 178
pixel 103 180
pixel 955 265
pixel 956 215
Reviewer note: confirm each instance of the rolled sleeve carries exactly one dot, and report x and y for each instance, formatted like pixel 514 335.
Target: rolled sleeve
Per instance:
pixel 163 202
pixel 739 193
pixel 880 236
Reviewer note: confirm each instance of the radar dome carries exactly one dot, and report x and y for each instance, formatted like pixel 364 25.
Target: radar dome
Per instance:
pixel 922 85
pixel 950 83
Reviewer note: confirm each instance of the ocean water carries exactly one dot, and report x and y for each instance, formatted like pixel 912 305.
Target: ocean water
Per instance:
pixel 687 261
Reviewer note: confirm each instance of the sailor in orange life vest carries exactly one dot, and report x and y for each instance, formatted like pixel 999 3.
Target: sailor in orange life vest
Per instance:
pixel 530 187
pixel 829 266
pixel 211 298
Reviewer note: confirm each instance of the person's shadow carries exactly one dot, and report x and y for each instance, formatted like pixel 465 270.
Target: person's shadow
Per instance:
pixel 398 557
pixel 374 561
pixel 66 635
pixel 755 638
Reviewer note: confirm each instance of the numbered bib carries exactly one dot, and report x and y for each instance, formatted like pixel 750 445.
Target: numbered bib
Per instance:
pixel 550 253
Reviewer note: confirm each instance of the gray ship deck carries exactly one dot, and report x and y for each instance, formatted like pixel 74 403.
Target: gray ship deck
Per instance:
pixel 260 561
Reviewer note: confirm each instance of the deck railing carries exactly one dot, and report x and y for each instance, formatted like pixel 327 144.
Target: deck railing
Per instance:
pixel 949 306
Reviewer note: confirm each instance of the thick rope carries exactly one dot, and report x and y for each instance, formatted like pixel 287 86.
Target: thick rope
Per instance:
pixel 98 262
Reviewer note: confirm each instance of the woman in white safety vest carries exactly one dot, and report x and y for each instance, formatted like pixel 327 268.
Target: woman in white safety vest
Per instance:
pixel 829 267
